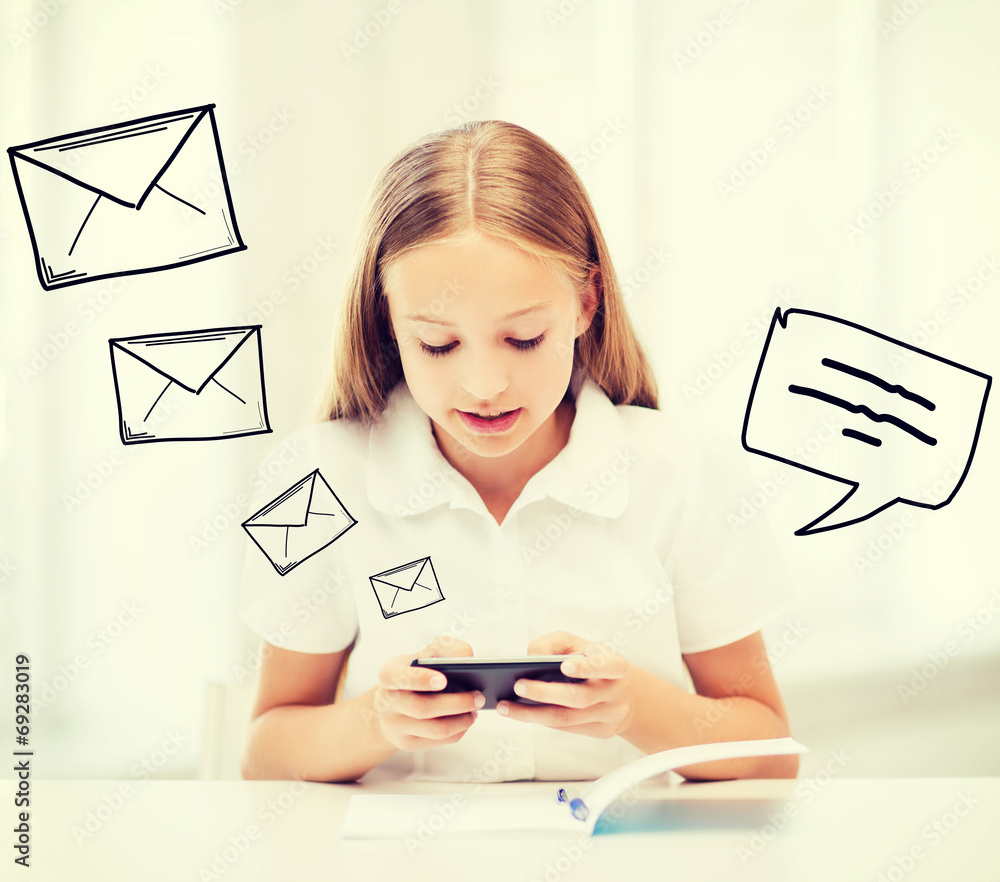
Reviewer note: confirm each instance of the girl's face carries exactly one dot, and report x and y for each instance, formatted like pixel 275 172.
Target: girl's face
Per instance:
pixel 485 334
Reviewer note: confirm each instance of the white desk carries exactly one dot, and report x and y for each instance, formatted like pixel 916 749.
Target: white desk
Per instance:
pixel 849 829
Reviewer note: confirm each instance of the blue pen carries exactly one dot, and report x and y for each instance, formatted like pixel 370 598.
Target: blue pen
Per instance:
pixel 576 805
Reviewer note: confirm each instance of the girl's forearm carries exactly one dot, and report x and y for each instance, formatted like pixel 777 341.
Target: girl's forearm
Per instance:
pixel 334 742
pixel 666 716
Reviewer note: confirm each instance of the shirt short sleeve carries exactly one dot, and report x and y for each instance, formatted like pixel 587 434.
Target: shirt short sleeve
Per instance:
pixel 311 607
pixel 728 574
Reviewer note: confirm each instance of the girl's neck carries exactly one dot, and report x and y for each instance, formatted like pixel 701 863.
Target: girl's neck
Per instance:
pixel 499 480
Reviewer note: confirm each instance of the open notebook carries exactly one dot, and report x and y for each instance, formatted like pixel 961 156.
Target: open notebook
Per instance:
pixel 556 814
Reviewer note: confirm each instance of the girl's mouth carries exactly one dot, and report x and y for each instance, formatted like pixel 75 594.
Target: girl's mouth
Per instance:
pixel 490 423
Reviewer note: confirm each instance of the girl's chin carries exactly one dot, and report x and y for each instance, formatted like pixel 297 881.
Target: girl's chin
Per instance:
pixel 461 442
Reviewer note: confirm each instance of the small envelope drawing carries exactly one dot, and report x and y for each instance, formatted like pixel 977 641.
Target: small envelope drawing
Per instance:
pixel 404 589
pixel 127 198
pixel 302 521
pixel 190 385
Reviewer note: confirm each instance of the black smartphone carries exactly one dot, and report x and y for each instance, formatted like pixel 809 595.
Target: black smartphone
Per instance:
pixel 495 677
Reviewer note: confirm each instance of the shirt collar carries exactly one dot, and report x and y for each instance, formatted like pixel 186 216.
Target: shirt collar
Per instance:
pixel 407 473
pixel 590 474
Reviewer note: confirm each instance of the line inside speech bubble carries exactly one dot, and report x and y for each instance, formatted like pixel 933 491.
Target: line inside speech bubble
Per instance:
pixel 902 417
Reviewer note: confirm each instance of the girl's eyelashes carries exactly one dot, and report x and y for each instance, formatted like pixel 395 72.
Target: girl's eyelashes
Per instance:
pixel 522 345
pixel 438 350
pixel 526 344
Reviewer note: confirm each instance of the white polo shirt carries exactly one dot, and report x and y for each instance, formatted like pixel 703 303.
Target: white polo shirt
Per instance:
pixel 621 538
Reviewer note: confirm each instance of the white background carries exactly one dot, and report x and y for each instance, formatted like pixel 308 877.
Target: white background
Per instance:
pixel 654 103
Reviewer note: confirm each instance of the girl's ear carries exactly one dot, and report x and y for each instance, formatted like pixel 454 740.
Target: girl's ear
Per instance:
pixel 590 299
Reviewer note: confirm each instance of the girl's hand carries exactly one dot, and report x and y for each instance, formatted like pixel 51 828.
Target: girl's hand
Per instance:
pixel 411 715
pixel 601 707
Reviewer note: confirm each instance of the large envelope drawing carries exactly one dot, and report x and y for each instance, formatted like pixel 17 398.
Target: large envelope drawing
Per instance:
pixel 190 386
pixel 128 198
pixel 300 522
pixel 403 589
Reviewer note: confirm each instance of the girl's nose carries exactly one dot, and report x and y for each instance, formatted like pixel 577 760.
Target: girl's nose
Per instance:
pixel 484 377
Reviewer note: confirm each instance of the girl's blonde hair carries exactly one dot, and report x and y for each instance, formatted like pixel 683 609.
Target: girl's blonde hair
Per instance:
pixel 502 181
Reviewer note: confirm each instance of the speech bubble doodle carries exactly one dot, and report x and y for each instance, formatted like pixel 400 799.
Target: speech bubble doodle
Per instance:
pixel 903 423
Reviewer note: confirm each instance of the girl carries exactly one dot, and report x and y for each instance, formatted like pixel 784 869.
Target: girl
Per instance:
pixel 491 425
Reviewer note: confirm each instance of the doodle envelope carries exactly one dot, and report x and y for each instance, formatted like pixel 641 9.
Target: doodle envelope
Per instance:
pixel 403 589
pixel 300 522
pixel 190 386
pixel 128 198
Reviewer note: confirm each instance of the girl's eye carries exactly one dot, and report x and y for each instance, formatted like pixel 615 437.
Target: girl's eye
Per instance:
pixel 438 350
pixel 526 344
pixel 522 345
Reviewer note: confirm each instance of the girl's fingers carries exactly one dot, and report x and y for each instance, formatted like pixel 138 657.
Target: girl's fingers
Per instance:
pixel 577 695
pixel 398 674
pixel 556 643
pixel 425 707
pixel 599 661
pixel 437 729
pixel 594 718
